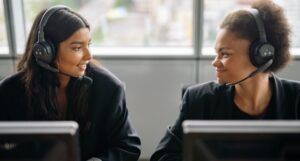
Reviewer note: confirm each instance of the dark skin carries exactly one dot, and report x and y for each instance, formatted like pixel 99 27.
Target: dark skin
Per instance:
pixel 253 95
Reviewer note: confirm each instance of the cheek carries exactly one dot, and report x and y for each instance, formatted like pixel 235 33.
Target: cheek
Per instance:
pixel 246 64
pixel 234 65
pixel 241 68
pixel 69 60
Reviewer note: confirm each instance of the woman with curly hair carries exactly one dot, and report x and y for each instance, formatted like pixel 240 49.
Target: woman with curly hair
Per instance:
pixel 251 45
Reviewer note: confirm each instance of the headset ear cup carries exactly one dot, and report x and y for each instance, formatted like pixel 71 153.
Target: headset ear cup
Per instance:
pixel 253 53
pixel 260 53
pixel 44 51
pixel 52 50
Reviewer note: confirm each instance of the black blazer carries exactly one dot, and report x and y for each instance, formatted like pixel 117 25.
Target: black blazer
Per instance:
pixel 110 135
pixel 211 101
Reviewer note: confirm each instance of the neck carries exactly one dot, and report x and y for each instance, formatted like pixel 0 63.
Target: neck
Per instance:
pixel 62 101
pixel 64 81
pixel 253 96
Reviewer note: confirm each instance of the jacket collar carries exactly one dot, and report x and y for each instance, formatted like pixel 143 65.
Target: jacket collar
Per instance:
pixel 278 95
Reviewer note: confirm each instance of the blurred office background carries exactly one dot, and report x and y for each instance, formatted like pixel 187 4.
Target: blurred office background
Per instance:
pixel 154 46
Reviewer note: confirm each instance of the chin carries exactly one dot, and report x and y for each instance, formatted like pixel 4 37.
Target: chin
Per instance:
pixel 220 81
pixel 81 74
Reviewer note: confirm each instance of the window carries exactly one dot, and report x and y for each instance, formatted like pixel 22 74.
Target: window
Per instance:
pixel 215 10
pixel 292 10
pixel 158 25
pixel 3 35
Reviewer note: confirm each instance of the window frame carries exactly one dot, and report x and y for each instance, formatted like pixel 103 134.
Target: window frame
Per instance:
pixel 4 51
pixel 15 25
pixel 205 52
pixel 145 51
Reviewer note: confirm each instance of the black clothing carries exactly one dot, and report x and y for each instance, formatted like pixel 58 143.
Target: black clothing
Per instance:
pixel 212 101
pixel 109 136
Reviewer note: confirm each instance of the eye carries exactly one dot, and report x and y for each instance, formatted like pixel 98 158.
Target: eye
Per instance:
pixel 76 48
pixel 226 55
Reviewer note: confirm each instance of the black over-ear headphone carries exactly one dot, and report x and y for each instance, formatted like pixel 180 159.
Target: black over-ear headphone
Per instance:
pixel 261 52
pixel 43 50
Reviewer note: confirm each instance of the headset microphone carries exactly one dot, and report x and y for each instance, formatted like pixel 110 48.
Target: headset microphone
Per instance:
pixel 47 66
pixel 259 69
pixel 85 79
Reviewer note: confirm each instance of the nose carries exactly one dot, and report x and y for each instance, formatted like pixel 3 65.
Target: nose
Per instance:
pixel 216 62
pixel 87 54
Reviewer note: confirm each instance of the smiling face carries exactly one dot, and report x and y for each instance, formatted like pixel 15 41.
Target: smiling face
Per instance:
pixel 73 53
pixel 232 62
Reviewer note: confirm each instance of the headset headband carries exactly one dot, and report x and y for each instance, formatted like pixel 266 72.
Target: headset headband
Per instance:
pixel 44 20
pixel 260 25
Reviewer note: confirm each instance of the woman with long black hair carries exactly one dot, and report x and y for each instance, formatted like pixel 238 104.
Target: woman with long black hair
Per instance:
pixel 57 80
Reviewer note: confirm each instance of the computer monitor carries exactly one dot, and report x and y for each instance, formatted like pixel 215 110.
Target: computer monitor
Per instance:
pixel 241 140
pixel 39 141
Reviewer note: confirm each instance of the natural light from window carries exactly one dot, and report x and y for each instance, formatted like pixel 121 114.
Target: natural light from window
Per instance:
pixel 3 35
pixel 131 24
pixel 215 10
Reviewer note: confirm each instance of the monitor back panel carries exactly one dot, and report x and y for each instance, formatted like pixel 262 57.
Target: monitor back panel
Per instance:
pixel 39 140
pixel 241 140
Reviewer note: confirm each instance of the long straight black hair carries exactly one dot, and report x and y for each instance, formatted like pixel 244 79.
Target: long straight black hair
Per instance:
pixel 41 84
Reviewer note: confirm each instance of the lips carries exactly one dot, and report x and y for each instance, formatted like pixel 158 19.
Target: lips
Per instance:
pixel 219 70
pixel 82 66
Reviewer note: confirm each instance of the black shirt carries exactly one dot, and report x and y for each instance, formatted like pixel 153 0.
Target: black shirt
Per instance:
pixel 212 101
pixel 110 136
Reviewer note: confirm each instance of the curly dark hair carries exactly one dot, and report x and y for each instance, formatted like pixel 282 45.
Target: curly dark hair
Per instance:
pixel 278 31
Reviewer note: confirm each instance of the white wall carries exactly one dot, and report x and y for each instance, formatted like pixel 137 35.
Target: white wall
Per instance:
pixel 153 90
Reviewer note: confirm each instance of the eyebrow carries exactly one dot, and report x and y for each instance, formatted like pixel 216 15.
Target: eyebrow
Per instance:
pixel 222 48
pixel 79 42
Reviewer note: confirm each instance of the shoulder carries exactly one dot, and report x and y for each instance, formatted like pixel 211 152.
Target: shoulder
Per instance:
pixel 11 90
pixel 103 78
pixel 12 81
pixel 205 101
pixel 206 93
pixel 207 89
pixel 286 84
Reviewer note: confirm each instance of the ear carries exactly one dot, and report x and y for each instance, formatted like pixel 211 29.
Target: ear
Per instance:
pixel 56 62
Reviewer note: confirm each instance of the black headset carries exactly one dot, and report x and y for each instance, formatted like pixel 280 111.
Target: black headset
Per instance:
pixel 261 51
pixel 43 50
